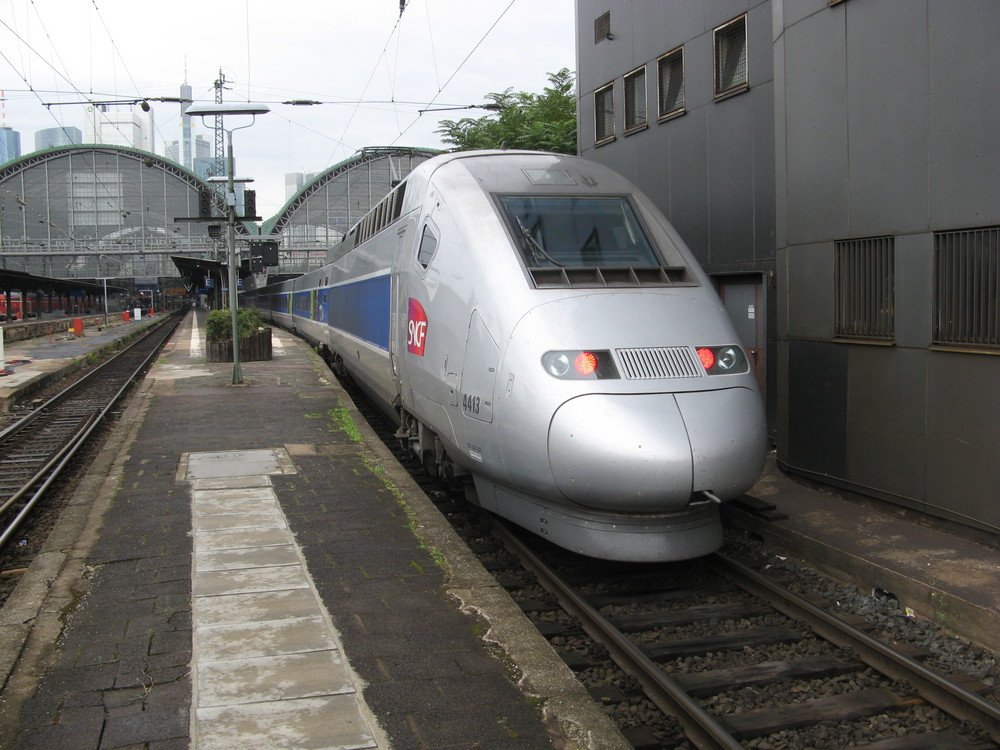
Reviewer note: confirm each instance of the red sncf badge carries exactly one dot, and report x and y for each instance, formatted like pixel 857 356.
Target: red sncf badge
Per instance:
pixel 416 328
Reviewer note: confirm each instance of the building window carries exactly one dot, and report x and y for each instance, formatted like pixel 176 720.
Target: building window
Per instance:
pixel 635 99
pixel 602 27
pixel 604 114
pixel 731 57
pixel 967 287
pixel 865 289
pixel 670 74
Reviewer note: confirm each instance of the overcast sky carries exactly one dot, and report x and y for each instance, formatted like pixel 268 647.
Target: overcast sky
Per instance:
pixel 374 67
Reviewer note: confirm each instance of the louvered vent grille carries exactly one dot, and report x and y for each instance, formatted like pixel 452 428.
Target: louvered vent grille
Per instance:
pixel 650 363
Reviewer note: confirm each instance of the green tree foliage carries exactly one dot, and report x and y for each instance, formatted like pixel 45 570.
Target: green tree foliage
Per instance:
pixel 540 122
pixel 219 324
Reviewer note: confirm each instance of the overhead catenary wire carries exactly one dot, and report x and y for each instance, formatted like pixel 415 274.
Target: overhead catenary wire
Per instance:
pixel 456 71
pixel 441 87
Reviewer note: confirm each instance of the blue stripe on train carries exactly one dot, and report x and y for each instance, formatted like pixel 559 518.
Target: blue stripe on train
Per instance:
pixel 360 308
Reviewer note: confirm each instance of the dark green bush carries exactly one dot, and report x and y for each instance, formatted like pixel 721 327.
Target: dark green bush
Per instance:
pixel 219 326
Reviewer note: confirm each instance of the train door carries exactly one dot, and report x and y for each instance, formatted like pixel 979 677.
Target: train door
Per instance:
pixel 400 301
pixel 743 297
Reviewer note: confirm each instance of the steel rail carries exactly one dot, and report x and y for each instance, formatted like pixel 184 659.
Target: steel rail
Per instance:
pixel 931 685
pixel 42 479
pixel 38 411
pixel 701 728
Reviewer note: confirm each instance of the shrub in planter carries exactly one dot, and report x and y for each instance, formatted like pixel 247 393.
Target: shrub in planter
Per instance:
pixel 219 326
pixel 254 339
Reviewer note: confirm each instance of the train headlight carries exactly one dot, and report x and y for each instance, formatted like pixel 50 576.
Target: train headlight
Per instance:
pixel 580 365
pixel 722 360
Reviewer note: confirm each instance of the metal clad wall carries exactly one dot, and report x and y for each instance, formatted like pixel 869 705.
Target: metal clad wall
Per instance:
pixel 714 160
pixel 963 433
pixel 807 289
pixel 887 116
pixel 815 184
pixel 688 209
pixel 885 125
pixel 862 120
pixel 817 428
pixel 730 176
pixel 886 418
pixel 964 58
pixel 914 287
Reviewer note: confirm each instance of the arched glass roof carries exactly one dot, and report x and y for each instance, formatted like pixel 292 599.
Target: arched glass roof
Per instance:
pixel 318 216
pixel 100 211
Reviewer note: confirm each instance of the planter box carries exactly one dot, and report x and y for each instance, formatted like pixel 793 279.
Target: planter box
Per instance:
pixel 255 348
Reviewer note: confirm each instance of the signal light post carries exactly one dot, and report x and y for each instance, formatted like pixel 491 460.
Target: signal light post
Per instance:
pixel 220 110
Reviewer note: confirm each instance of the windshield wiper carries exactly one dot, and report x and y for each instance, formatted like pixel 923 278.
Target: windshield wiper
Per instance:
pixel 535 246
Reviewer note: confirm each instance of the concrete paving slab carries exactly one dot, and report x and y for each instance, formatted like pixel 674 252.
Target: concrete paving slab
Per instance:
pixel 221 582
pixel 252 557
pixel 272 678
pixel 327 723
pixel 232 483
pixel 232 464
pixel 234 538
pixel 256 606
pixel 208 501
pixel 268 638
pixel 246 520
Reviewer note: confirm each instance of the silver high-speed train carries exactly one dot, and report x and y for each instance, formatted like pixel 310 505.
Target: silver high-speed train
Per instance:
pixel 533 322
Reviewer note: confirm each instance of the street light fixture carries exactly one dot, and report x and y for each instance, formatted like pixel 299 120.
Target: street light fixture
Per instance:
pixel 220 110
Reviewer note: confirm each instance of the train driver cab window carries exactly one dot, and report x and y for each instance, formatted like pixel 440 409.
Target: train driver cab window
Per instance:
pixel 578 231
pixel 428 246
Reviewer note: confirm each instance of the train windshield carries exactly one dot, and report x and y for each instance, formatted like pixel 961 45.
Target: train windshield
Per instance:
pixel 578 231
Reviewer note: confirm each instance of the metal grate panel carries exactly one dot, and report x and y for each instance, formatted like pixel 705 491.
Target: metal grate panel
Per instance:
pixel 967 288
pixel 650 363
pixel 866 288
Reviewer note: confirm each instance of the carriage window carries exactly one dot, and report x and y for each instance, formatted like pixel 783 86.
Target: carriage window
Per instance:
pixel 428 244
pixel 578 231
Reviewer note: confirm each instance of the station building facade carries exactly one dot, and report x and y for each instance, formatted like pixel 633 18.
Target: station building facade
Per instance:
pixel 115 212
pixel 832 164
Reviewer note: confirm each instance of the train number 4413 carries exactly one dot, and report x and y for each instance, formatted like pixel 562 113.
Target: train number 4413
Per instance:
pixel 471 404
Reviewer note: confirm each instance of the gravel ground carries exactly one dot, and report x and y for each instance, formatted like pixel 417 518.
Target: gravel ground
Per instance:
pixel 892 622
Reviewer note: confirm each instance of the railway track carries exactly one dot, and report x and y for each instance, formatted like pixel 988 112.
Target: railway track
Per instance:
pixel 37 449
pixel 695 646
pixel 710 654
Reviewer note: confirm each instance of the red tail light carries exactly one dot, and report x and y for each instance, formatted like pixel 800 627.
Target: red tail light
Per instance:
pixel 585 363
pixel 576 364
pixel 707 357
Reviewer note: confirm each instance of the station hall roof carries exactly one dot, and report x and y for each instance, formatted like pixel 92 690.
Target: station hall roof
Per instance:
pixel 27 284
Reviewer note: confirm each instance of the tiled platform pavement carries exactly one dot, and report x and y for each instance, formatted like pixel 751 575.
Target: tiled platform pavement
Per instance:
pixel 267 665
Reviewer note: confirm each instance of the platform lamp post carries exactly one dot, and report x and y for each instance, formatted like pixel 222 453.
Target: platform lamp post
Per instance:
pixel 220 111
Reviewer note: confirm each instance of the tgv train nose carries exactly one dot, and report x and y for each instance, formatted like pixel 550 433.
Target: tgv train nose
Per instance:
pixel 650 452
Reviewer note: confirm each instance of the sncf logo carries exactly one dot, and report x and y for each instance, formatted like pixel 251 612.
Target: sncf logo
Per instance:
pixel 416 329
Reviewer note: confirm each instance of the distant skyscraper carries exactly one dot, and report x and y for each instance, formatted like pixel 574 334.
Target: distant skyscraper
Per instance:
pixel 295 180
pixel 120 126
pixel 185 127
pixel 202 147
pixel 55 137
pixel 10 144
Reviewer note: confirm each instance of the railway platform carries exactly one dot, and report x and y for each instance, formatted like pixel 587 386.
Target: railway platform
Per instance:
pixel 247 567
pixel 30 364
